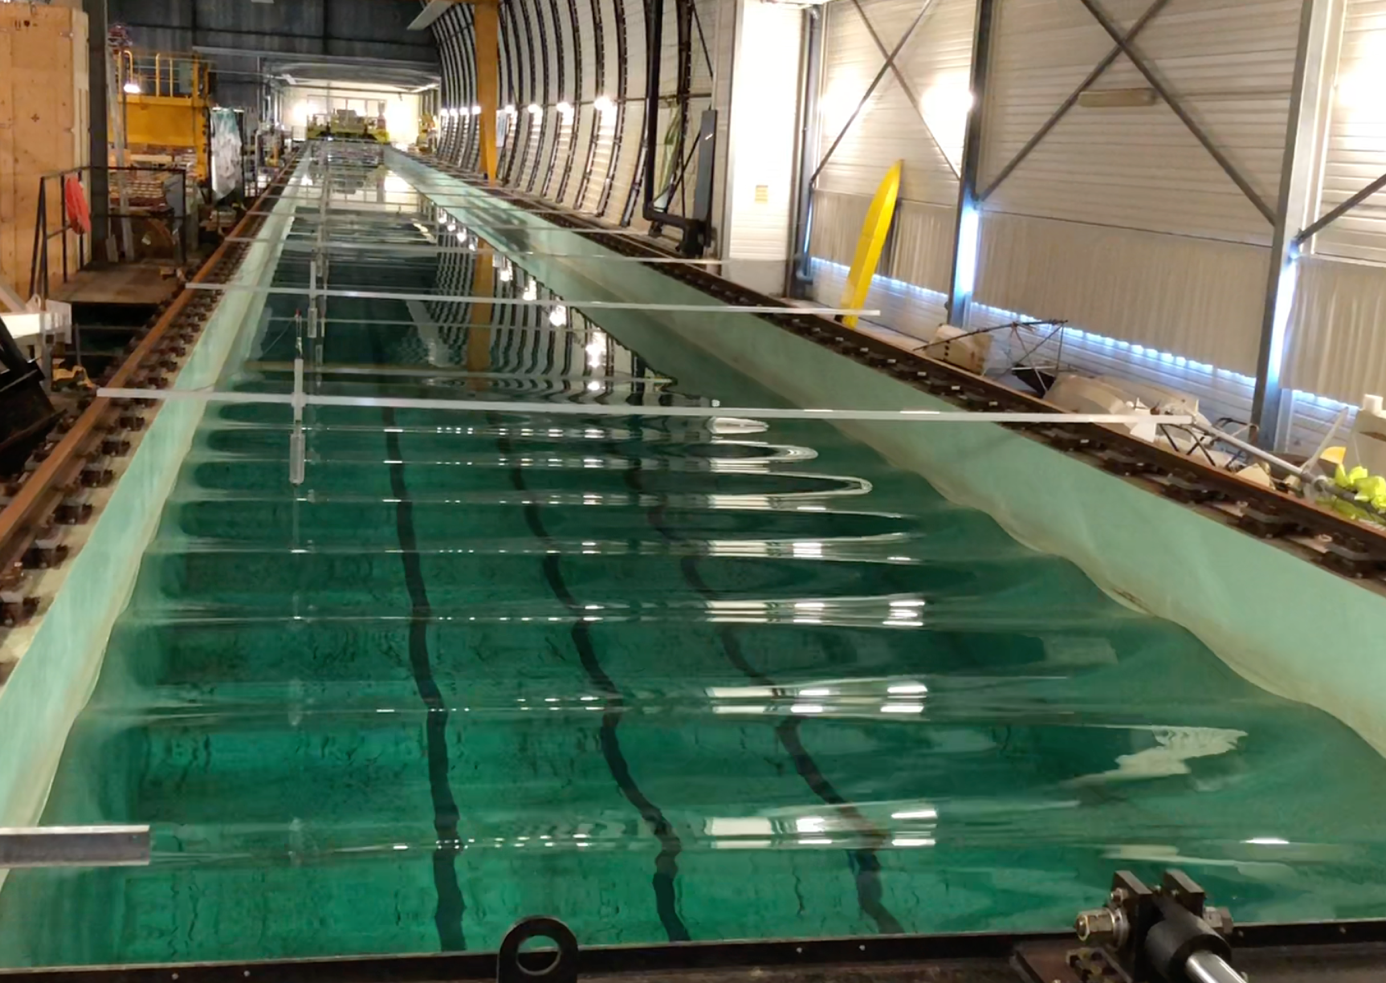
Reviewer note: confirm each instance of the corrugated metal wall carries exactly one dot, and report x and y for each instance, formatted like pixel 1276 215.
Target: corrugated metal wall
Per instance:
pixel 1118 220
pixel 922 127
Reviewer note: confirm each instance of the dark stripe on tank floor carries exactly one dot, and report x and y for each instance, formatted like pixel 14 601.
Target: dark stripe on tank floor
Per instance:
pixel 448 915
pixel 864 864
pixel 670 846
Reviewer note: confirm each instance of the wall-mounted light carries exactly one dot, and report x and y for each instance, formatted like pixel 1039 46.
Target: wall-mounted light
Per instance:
pixel 476 110
pixel 603 104
pixel 509 110
pixel 565 109
pixel 535 109
pixel 132 86
pixel 1116 98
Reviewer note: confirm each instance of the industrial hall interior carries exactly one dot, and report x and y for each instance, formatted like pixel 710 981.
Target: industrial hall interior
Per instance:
pixel 692 491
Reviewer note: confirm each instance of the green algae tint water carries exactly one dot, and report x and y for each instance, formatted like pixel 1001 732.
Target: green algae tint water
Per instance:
pixel 661 678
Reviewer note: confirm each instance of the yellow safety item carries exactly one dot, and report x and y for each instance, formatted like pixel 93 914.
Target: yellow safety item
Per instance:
pixel 872 241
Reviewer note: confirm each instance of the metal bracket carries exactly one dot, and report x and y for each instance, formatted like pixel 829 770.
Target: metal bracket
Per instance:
pixel 513 966
pixel 74 846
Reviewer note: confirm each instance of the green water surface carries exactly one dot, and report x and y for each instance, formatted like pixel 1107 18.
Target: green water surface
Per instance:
pixel 662 678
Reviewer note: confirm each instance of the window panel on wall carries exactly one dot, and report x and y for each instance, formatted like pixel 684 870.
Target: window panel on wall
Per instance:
pixel 1356 142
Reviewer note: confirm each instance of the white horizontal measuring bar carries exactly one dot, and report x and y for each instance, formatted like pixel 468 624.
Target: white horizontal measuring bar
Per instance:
pixel 428 249
pixel 606 305
pixel 602 409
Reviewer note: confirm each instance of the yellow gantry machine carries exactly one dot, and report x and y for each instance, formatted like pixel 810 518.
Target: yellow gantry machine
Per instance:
pixel 165 103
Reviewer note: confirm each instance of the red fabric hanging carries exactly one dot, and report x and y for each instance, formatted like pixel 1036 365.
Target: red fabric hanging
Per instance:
pixel 78 214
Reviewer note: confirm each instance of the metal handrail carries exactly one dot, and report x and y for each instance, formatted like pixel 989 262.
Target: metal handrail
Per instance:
pixel 39 273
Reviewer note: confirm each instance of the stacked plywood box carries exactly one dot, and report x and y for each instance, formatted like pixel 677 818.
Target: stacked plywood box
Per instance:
pixel 43 126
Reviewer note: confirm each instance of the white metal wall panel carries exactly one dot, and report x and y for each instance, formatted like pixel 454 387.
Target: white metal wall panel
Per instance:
pixel 1139 167
pixel 1201 300
pixel 582 133
pixel 564 134
pixel 1356 145
pixel 601 160
pixel 626 161
pixel 920 248
pixel 1338 347
pixel 935 63
pixel 533 123
pixel 609 47
pixel 546 94
pixel 587 49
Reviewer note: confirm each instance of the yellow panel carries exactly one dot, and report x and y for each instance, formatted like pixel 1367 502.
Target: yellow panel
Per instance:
pixel 872 241
pixel 167 121
pixel 487 34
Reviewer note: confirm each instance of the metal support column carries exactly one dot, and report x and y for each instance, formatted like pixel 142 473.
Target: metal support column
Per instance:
pixel 799 274
pixel 967 229
pixel 1302 136
pixel 98 187
pixel 486 33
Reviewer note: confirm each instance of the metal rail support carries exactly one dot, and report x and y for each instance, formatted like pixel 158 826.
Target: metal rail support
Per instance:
pixel 74 846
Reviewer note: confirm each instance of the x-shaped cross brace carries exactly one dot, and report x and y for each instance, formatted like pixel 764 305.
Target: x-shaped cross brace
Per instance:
pixel 1125 45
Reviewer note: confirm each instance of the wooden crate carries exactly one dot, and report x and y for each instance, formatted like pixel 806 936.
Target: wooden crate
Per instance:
pixel 43 125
